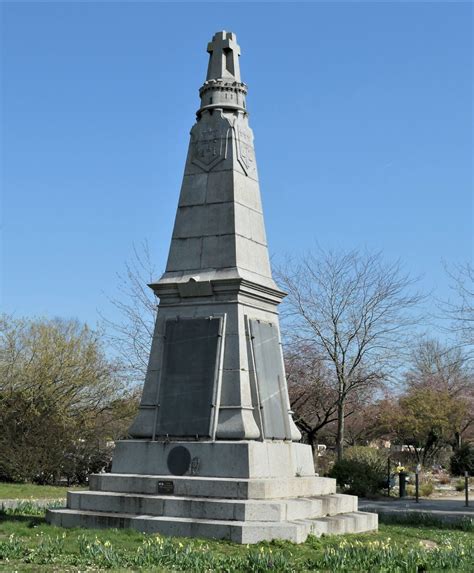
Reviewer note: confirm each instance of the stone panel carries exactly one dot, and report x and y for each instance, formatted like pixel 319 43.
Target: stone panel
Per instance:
pixel 270 379
pixel 189 370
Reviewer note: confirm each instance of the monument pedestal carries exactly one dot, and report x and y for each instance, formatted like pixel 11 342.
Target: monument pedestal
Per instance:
pixel 220 459
pixel 241 491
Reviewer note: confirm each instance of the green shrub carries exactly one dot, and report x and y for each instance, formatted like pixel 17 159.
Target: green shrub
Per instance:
pixel 427 488
pixel 460 485
pixel 362 471
pixel 411 491
pixel 325 462
pixel 463 460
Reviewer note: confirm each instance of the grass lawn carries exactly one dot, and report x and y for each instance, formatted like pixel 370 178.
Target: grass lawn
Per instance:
pixel 29 490
pixel 27 543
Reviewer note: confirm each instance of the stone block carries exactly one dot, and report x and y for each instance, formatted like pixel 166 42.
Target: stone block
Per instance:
pixel 338 503
pixel 246 192
pixel 252 256
pixel 185 254
pixel 204 220
pixel 257 227
pixel 218 251
pixel 244 459
pixel 223 488
pixel 193 189
pixel 220 187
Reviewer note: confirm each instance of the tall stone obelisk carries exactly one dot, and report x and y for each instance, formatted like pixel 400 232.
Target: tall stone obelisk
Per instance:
pixel 217 293
pixel 213 449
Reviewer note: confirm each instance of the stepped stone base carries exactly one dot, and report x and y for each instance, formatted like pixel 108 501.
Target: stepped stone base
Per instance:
pixel 245 491
pixel 240 510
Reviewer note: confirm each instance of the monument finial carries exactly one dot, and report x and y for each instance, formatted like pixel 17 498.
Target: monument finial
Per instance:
pixel 224 57
pixel 223 88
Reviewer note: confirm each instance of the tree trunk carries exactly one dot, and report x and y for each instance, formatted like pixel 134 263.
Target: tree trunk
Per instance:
pixel 314 446
pixel 340 430
pixel 457 440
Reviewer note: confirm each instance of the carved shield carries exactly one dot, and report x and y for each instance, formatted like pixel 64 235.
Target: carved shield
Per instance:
pixel 246 154
pixel 209 142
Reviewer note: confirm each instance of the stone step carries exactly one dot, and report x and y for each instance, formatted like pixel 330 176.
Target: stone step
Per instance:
pixel 237 531
pixel 336 503
pixel 230 488
pixel 220 509
pixel 352 522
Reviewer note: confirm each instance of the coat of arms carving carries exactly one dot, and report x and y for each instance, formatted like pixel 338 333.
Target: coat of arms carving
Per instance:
pixel 209 139
pixel 245 151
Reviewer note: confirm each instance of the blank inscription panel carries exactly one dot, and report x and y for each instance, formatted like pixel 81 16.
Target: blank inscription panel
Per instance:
pixel 187 386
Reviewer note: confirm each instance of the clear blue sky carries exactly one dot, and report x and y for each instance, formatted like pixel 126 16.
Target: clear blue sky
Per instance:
pixel 361 111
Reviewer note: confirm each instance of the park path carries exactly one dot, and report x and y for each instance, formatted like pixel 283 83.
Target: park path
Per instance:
pixel 447 508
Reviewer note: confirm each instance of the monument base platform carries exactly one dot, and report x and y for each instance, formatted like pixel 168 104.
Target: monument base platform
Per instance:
pixel 240 509
pixel 243 511
pixel 233 459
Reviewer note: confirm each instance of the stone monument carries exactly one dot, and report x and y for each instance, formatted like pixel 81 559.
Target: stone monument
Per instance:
pixel 214 451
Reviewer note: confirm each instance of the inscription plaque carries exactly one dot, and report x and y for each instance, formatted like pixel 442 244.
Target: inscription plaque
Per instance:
pixel 270 379
pixel 166 487
pixel 189 372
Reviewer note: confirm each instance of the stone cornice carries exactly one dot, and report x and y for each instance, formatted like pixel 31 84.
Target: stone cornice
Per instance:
pixel 227 286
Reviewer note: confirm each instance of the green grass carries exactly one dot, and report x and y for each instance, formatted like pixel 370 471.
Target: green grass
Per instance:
pixel 428 520
pixel 29 490
pixel 27 543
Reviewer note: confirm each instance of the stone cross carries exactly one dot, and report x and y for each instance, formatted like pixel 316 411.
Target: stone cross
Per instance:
pixel 224 59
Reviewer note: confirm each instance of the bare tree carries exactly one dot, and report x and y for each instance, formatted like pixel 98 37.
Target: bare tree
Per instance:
pixel 440 367
pixel 313 391
pixel 313 398
pixel 354 310
pixel 460 311
pixel 366 424
pixel 131 333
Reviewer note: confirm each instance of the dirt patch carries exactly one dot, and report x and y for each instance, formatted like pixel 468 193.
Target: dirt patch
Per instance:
pixel 428 544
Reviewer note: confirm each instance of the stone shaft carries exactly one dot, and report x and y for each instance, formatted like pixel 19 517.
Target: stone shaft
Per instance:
pixel 218 269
